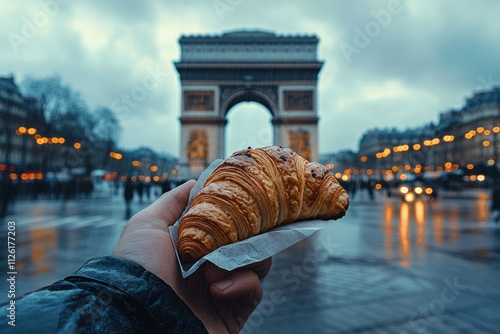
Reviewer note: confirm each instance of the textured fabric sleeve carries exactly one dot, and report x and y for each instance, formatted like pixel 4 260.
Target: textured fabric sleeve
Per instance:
pixel 106 295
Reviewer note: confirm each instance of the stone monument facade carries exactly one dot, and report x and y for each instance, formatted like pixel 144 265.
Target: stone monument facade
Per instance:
pixel 218 72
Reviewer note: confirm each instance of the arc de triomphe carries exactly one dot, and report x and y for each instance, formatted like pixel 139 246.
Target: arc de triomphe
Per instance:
pixel 218 72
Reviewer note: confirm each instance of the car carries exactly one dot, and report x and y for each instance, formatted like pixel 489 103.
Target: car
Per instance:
pixel 410 191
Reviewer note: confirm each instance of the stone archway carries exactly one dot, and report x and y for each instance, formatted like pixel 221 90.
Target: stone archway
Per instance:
pixel 218 72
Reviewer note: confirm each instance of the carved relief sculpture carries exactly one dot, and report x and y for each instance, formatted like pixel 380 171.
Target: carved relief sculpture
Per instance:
pixel 299 142
pixel 198 145
pixel 198 101
pixel 299 100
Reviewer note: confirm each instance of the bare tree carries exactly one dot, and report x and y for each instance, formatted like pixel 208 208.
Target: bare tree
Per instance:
pixel 106 132
pixel 106 125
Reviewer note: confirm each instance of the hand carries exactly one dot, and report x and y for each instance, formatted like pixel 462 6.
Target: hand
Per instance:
pixel 222 300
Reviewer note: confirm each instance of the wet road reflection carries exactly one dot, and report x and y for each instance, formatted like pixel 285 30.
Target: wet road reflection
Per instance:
pixel 404 234
pixel 410 229
pixel 43 244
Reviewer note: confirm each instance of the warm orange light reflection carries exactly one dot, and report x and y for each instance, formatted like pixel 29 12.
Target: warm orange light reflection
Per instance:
pixel 482 207
pixel 438 228
pixel 420 217
pixel 43 243
pixel 404 234
pixel 388 217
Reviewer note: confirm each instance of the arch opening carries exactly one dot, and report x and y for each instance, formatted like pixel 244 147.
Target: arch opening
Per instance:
pixel 249 124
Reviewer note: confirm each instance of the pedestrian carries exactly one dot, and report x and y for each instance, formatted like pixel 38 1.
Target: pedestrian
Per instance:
pixel 140 190
pixel 147 190
pixel 495 201
pixel 370 187
pixel 139 289
pixel 165 186
pixel 128 194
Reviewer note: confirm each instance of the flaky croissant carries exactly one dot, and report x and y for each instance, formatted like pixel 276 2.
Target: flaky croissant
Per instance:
pixel 253 191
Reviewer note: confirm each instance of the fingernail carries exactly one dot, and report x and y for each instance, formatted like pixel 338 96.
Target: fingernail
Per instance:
pixel 224 284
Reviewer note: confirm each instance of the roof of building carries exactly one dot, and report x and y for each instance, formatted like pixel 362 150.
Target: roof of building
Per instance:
pixel 8 83
pixel 481 98
pixel 249 36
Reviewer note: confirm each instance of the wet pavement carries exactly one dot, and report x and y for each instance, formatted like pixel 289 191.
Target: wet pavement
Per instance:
pixel 390 267
pixel 387 267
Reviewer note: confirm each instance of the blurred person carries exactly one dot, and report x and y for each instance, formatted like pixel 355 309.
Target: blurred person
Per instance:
pixel 140 190
pixel 495 201
pixel 147 190
pixel 165 186
pixel 128 195
pixel 139 289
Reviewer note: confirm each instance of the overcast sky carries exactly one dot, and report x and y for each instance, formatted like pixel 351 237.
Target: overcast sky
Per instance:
pixel 423 58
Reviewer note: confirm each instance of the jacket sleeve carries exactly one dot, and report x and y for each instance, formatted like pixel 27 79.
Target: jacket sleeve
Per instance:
pixel 106 295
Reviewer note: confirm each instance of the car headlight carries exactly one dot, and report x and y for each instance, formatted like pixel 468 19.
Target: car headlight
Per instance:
pixel 418 190
pixel 404 189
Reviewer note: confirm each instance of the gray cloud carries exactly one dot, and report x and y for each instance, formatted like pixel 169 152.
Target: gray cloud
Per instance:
pixel 429 57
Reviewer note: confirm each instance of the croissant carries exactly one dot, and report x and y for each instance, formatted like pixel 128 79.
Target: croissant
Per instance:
pixel 253 191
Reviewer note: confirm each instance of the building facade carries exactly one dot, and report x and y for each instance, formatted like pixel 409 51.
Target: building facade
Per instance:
pixel 21 119
pixel 462 138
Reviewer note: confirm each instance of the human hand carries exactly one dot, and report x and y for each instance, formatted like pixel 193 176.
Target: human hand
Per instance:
pixel 222 300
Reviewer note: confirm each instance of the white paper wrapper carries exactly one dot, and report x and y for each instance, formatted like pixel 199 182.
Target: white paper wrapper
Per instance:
pixel 254 249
